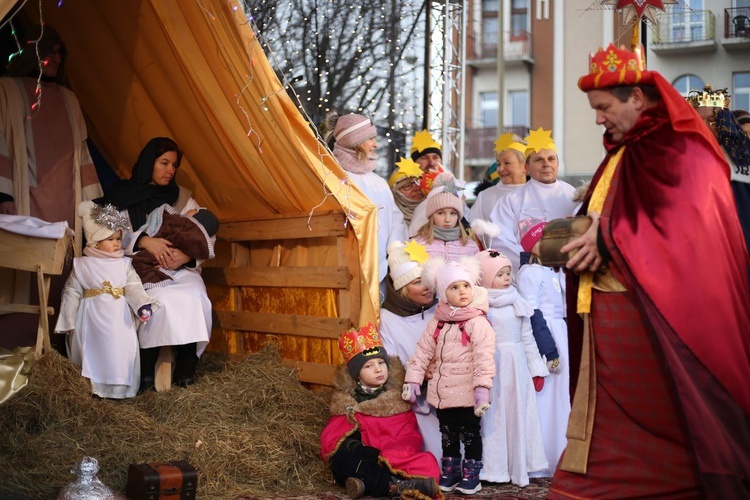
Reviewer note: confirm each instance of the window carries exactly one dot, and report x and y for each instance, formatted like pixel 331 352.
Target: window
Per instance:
pixel 686 83
pixel 688 21
pixel 519 10
pixel 488 109
pixel 489 6
pixel 741 91
pixel 518 108
pixel 489 34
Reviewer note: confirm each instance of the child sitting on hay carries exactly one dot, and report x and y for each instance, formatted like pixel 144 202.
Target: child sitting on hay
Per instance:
pixel 372 442
pixel 97 301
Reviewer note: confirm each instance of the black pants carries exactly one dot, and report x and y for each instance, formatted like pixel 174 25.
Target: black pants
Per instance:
pixel 185 361
pixel 363 465
pixel 460 424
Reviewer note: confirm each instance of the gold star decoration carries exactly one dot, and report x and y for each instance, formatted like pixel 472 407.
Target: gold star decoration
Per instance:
pixel 409 167
pixel 423 140
pixel 503 142
pixel 417 252
pixel 540 139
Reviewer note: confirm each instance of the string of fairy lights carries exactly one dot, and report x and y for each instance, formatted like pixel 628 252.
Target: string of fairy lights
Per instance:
pixel 384 83
pixel 294 30
pixel 275 38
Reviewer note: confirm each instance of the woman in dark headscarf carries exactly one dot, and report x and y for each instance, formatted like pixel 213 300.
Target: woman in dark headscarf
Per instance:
pixel 185 318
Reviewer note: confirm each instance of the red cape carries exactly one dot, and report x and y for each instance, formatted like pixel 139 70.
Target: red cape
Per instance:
pixel 396 436
pixel 386 422
pixel 674 233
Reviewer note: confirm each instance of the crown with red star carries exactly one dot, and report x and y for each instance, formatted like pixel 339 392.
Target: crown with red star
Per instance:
pixel 612 67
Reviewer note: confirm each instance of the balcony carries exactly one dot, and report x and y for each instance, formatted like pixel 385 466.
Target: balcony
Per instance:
pixel 736 29
pixel 680 31
pixel 517 48
pixel 479 143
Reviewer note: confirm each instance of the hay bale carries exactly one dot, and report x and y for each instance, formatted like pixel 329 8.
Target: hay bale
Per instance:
pixel 247 425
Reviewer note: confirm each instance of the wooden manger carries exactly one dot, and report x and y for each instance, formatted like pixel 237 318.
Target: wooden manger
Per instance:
pixel 42 256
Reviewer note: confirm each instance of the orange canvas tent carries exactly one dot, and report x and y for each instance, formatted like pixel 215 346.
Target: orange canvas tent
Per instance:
pixel 297 256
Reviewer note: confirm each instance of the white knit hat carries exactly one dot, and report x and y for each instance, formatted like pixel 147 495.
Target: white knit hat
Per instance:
pixel 403 269
pixel 100 222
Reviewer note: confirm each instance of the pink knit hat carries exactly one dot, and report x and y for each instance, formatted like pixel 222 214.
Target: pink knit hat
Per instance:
pixel 440 198
pixel 531 234
pixel 352 130
pixel 490 262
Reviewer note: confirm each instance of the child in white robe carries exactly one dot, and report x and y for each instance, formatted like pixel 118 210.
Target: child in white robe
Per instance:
pixel 545 292
pixel 511 424
pixel 97 301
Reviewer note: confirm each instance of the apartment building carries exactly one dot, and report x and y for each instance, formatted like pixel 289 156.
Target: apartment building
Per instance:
pixel 546 44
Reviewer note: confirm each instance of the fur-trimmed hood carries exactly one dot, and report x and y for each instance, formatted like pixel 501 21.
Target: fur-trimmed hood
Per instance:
pixel 388 403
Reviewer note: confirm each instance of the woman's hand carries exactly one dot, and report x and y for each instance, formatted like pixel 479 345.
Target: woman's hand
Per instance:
pixel 177 259
pixel 160 248
pixel 587 258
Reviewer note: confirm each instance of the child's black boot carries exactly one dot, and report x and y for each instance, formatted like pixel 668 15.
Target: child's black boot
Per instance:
pixel 470 480
pixel 451 473
pixel 426 486
pixel 355 487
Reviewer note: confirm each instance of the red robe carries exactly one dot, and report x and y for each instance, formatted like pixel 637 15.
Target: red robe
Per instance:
pixel 386 423
pixel 670 225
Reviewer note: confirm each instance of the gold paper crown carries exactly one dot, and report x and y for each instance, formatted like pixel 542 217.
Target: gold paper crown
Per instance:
pixel 708 98
pixel 364 340
pixel 507 141
pixel 406 168
pixel 423 140
pixel 614 66
pixel 539 139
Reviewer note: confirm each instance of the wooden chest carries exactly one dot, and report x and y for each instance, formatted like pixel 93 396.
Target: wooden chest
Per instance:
pixel 176 480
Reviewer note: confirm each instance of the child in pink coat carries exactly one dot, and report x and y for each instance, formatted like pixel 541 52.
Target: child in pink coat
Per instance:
pixel 456 355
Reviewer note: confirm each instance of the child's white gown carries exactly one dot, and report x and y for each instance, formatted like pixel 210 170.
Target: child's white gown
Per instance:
pixel 104 342
pixel 543 290
pixel 511 430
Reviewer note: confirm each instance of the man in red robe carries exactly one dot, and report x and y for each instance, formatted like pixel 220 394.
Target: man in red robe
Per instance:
pixel 660 287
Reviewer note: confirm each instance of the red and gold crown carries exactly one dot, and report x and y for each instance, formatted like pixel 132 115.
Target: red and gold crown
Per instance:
pixel 353 341
pixel 612 67
pixel 428 179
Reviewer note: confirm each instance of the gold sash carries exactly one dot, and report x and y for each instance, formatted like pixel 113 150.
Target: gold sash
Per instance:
pixel 581 421
pixel 596 205
pixel 106 288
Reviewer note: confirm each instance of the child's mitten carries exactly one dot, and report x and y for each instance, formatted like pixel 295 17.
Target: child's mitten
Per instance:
pixel 538 383
pixel 410 392
pixel 144 313
pixel 554 365
pixel 481 400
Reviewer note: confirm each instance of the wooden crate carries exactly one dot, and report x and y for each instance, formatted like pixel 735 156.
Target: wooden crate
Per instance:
pixel 242 330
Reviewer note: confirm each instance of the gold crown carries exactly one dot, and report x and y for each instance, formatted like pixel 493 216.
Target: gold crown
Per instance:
pixel 708 98
pixel 353 341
